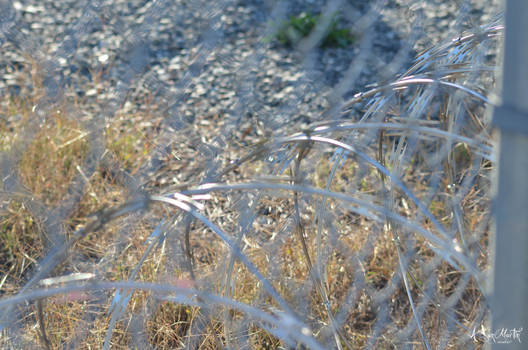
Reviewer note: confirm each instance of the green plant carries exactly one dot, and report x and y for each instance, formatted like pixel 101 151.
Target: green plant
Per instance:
pixel 301 26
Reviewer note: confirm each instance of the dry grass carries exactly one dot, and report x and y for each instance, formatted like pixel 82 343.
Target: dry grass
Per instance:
pixel 356 256
pixel 52 160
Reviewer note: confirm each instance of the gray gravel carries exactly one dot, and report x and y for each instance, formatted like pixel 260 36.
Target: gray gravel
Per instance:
pixel 202 60
pixel 209 69
pixel 133 41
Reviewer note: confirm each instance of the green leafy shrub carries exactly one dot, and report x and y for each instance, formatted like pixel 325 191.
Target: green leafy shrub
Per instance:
pixel 301 26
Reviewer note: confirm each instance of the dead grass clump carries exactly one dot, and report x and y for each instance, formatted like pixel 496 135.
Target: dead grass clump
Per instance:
pixel 261 339
pixel 168 326
pixel 52 160
pixel 129 139
pixel 22 243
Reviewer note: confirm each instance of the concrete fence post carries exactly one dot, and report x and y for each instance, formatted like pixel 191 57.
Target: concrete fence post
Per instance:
pixel 509 297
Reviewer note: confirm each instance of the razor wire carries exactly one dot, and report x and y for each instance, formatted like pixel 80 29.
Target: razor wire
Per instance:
pixel 343 193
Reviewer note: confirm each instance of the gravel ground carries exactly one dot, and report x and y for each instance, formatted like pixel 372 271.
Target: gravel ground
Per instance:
pixel 205 63
pixel 208 51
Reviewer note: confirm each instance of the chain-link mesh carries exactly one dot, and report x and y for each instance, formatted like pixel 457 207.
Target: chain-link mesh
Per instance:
pixel 276 174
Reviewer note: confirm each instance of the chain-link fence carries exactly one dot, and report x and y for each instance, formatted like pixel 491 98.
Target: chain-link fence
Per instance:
pixel 276 174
